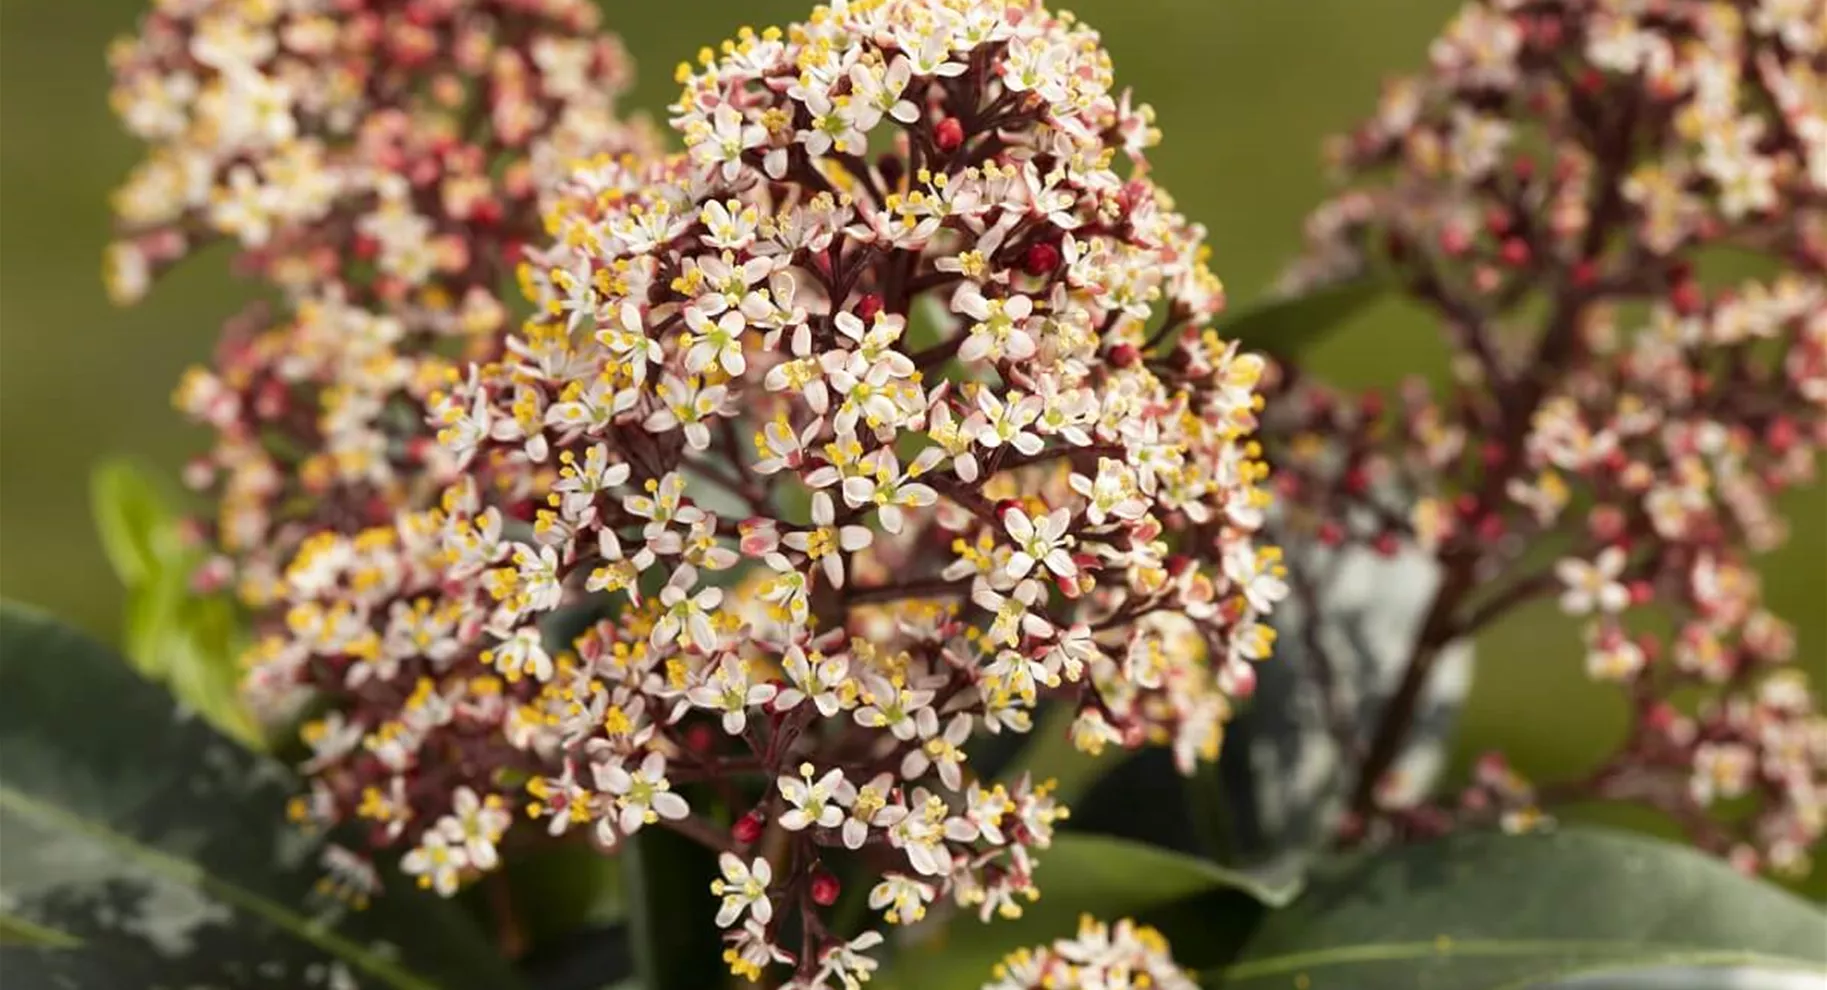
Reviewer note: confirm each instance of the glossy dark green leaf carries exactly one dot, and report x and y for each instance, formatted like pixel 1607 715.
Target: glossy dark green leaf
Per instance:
pixel 1486 911
pixel 671 913
pixel 1285 325
pixel 1081 874
pixel 164 848
pixel 1284 782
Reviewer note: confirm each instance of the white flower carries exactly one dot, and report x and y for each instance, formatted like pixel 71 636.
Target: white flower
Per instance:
pixel 814 802
pixel 893 708
pixel 826 543
pixel 743 887
pixel 946 752
pixel 846 963
pixel 1042 541
pixel 717 342
pixel 729 690
pixel 519 654
pixel 435 862
pixel 477 824
pixel 904 898
pixel 870 808
pixel 1593 585
pixel 644 796
pixel 1721 770
pixel 750 950
pixel 723 143
pixel 686 613
pixel 817 677
pixel 1613 656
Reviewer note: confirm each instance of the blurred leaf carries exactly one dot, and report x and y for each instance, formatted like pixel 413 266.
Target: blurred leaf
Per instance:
pixel 130 519
pixel 926 323
pixel 1721 975
pixel 18 931
pixel 1283 778
pixel 164 848
pixel 1078 875
pixel 671 912
pixel 559 889
pixel 1285 325
pixel 1049 755
pixel 1484 910
pixel 171 633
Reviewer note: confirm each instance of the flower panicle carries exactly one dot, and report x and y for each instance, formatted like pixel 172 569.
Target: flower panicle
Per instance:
pixel 1552 188
pixel 886 412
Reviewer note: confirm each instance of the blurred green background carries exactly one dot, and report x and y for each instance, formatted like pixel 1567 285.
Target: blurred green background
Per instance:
pixel 1246 90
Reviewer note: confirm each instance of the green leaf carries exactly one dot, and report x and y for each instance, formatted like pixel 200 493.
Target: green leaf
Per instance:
pixel 130 518
pixel 563 888
pixel 1485 911
pixel 671 917
pixel 165 849
pixel 1285 782
pixel 1285 325
pixel 18 931
pixel 1078 875
pixel 1048 755
pixel 187 641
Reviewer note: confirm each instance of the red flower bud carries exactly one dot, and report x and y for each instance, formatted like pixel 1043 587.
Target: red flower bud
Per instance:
pixel 700 739
pixel 1497 221
pixel 1515 252
pixel 868 306
pixel 1490 527
pixel 1782 434
pixel 1650 645
pixel 1641 592
pixel 1454 241
pixel 1042 259
pixel 1331 533
pixel 747 829
pixel 1006 506
pixel 825 889
pixel 1124 355
pixel 1385 544
pixel 1686 297
pixel 949 134
pixel 1357 481
pixel 1585 272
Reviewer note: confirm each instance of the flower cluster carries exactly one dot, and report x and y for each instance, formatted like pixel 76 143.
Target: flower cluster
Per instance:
pixel 885 413
pixel 1550 190
pixel 378 166
pixel 1123 956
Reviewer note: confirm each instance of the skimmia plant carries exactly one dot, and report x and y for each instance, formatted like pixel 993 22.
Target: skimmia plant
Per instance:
pixel 381 167
pixel 1558 190
pixel 591 488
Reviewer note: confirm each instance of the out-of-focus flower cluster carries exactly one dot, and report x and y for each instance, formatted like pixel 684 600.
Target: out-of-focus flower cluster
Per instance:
pixel 1563 189
pixel 887 411
pixel 1120 956
pixel 378 166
